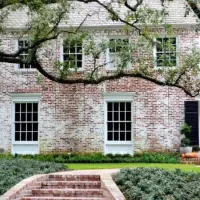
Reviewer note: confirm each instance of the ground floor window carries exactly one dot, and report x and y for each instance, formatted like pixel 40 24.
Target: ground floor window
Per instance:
pixel 26 122
pixel 119 122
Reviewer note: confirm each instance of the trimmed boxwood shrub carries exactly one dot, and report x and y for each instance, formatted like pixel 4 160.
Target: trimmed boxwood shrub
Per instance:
pixel 110 158
pixel 158 184
pixel 12 171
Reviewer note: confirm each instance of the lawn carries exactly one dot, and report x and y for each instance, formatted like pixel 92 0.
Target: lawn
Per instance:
pixel 82 166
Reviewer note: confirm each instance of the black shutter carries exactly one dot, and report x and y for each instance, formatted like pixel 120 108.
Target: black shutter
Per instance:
pixel 192 119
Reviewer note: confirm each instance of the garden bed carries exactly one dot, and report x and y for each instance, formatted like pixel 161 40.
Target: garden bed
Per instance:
pixel 158 184
pixel 12 171
pixel 146 157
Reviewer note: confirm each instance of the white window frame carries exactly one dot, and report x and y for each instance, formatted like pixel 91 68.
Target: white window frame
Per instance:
pixel 117 97
pixel 24 98
pixel 155 53
pixel 62 53
pixel 17 66
pixel 108 65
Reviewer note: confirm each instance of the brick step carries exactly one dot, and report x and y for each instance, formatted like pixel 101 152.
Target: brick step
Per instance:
pixel 68 192
pixel 69 184
pixel 55 177
pixel 62 198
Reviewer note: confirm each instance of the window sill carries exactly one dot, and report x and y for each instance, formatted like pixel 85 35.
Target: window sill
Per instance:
pixel 165 68
pixel 26 142
pixel 26 71
pixel 118 142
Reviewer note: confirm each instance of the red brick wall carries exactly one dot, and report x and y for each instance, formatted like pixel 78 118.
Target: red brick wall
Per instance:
pixel 72 116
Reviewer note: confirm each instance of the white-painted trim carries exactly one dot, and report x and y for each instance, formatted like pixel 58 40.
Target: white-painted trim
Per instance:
pixel 24 98
pixel 61 56
pixel 110 27
pixel 118 97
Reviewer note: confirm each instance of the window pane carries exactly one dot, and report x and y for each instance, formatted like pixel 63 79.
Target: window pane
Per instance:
pixel 122 136
pixel 128 136
pixel 17 127
pixel 29 107
pixel 35 107
pixel 128 116
pixel 35 126
pixel 17 117
pixel 122 106
pixel 17 136
pixel 29 117
pixel 116 126
pixel 110 126
pixel 110 136
pixel 128 126
pixel 17 107
pixel 66 57
pixel 23 127
pixel 29 127
pixel 66 49
pixel 116 106
pixel 23 107
pixel 23 117
pixel 72 49
pixel 29 136
pixel 35 117
pixel 128 106
pixel 23 136
pixel 79 64
pixel 122 126
pixel 116 116
pixel 122 116
pixel 79 57
pixel 109 106
pixel 79 49
pixel 110 116
pixel 35 136
pixel 116 136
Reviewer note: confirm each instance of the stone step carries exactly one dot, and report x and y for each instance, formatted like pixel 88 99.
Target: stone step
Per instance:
pixel 69 184
pixel 56 177
pixel 62 198
pixel 68 192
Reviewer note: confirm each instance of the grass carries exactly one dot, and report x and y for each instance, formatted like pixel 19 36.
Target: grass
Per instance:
pixel 82 166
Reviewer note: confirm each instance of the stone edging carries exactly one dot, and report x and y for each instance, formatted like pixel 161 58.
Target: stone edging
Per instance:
pixel 111 187
pixel 23 185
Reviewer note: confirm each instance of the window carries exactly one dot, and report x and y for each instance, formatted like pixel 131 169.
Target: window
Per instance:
pixel 119 122
pixel 26 122
pixel 166 52
pixel 72 54
pixel 115 46
pixel 23 44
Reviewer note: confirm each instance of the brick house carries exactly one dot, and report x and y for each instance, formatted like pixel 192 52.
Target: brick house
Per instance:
pixel 120 116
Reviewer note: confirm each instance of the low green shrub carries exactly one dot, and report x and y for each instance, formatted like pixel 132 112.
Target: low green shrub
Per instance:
pixel 13 171
pixel 165 157
pixel 158 184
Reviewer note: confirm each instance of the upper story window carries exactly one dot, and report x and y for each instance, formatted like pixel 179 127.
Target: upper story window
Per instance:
pixel 23 44
pixel 166 52
pixel 73 54
pixel 115 47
